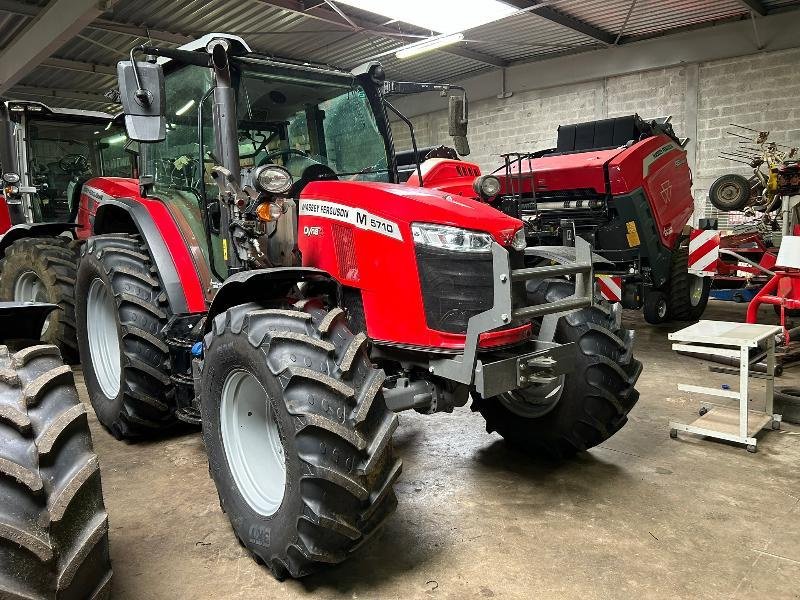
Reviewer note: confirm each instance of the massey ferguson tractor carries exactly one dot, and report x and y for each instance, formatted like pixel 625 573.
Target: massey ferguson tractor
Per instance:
pixel 288 294
pixel 46 154
pixel 53 523
pixel 624 185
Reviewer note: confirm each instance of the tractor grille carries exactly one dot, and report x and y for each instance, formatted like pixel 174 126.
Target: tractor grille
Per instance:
pixel 458 285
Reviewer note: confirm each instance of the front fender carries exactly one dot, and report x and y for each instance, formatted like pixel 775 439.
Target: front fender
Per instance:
pixel 31 230
pixel 262 285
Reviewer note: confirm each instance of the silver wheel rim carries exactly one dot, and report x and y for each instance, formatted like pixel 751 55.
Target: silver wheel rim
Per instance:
pixel 696 285
pixel 661 309
pixel 534 401
pixel 101 329
pixel 252 443
pixel 29 288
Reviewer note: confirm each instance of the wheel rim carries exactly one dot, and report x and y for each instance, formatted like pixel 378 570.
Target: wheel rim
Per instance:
pixel 696 288
pixel 101 329
pixel 251 439
pixel 30 288
pixel 534 401
pixel 661 309
pixel 730 192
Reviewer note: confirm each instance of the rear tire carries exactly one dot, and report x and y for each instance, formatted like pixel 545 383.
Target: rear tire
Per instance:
pixel 688 293
pixel 730 192
pixel 326 422
pixel 53 523
pixel 125 363
pixel 43 270
pixel 596 397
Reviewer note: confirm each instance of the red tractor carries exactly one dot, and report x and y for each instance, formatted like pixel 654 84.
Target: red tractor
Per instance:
pixel 46 155
pixel 625 186
pixel 287 293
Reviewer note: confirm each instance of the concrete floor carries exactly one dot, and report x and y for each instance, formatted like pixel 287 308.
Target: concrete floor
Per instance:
pixel 642 516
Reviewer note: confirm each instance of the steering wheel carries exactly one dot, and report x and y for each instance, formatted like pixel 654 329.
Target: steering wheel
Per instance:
pixel 73 163
pixel 288 152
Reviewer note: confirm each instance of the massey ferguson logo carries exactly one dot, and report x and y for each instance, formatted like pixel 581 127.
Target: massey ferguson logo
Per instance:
pixel 312 230
pixel 666 192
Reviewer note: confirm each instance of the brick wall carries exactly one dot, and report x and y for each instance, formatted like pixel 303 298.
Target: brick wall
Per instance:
pixel 760 91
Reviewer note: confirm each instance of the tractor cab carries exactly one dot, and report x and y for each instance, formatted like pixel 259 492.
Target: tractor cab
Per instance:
pixel 46 154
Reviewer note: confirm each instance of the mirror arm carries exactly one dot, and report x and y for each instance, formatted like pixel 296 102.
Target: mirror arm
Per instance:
pixel 142 95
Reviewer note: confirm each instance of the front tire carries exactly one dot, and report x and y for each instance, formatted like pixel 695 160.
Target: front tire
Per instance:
pixel 43 270
pixel 121 311
pixel 301 453
pixel 53 523
pixel 594 399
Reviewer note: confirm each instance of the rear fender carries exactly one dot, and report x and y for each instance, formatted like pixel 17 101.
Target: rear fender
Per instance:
pixel 32 230
pixel 23 320
pixel 263 285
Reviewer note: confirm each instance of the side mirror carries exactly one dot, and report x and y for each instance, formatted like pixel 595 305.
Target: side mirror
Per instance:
pixel 458 119
pixel 141 89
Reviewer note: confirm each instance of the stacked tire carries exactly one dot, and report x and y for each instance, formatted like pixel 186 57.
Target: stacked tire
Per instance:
pixel 53 523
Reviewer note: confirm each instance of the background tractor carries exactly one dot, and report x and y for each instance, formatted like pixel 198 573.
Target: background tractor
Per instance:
pixel 269 278
pixel 46 154
pixel 53 523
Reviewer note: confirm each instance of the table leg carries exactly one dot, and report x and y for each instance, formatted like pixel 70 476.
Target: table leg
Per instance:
pixel 744 368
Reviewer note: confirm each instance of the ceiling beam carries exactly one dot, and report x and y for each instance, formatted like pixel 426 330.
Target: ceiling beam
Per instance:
pixel 565 20
pixel 57 93
pixel 54 25
pixel 757 6
pixel 15 7
pixel 323 12
pixel 76 65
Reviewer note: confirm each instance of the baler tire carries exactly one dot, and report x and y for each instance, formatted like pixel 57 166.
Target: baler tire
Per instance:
pixel 681 307
pixel 335 431
pixel 53 523
pixel 54 262
pixel 740 184
pixel 145 403
pixel 656 309
pixel 596 397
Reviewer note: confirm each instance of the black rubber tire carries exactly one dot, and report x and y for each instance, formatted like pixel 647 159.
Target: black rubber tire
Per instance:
pixel 53 523
pixel 597 396
pixel 656 308
pixel 790 312
pixel 680 301
pixel 54 260
pixel 738 190
pixel 335 431
pixel 145 404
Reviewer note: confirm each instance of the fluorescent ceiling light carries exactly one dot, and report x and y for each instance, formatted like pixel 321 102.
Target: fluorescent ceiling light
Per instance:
pixel 184 108
pixel 428 45
pixel 116 139
pixel 441 16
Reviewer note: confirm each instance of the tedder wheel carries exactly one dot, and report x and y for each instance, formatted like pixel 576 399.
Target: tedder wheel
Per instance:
pixel 53 524
pixel 656 307
pixel 121 310
pixel 584 407
pixel 43 270
pixel 297 433
pixel 730 192
pixel 688 293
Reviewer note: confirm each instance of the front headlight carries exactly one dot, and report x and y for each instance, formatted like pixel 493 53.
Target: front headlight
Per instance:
pixel 519 242
pixel 451 238
pixel 272 179
pixel 10 177
pixel 486 186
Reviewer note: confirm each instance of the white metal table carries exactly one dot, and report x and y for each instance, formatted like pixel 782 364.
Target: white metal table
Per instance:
pixel 738 341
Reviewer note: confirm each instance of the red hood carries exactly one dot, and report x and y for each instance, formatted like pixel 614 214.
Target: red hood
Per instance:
pixel 408 204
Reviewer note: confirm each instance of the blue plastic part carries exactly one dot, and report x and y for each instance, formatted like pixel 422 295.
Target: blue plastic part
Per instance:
pixel 725 386
pixel 197 349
